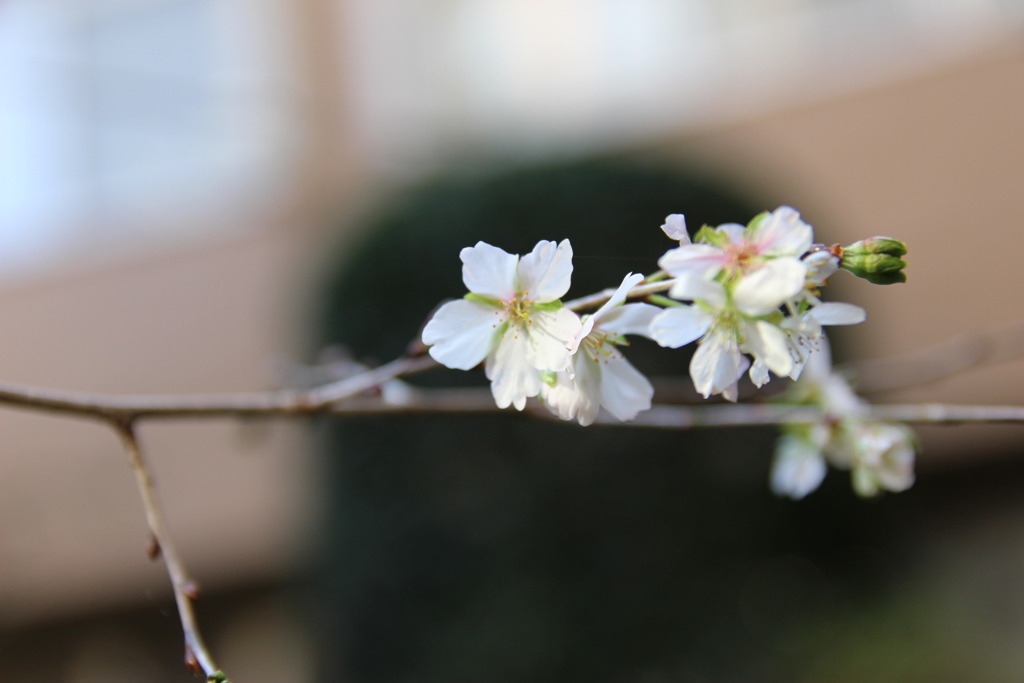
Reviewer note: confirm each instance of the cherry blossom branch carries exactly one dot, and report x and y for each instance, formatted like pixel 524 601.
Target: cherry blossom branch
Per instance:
pixel 128 409
pixel 254 404
pixel 327 400
pixel 639 292
pixel 480 401
pixel 197 657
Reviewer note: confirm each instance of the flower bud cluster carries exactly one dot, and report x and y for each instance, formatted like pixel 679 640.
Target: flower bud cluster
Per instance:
pixel 879 455
pixel 878 260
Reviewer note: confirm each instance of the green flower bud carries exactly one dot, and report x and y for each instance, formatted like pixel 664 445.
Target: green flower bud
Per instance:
pixel 897 278
pixel 877 245
pixel 877 260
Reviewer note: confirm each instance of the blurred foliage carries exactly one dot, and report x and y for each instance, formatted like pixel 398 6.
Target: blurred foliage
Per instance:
pixel 500 549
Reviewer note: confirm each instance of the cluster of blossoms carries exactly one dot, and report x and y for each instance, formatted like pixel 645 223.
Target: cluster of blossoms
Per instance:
pixel 879 455
pixel 749 295
pixel 754 290
pixel 513 317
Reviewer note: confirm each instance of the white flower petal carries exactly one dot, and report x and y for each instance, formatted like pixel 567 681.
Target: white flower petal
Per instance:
pixel 628 282
pixel 819 363
pixel 783 234
pixel 561 398
pixel 769 344
pixel 797 469
pixel 759 373
pixel 884 458
pixel 489 271
pixel 588 389
pixel 609 307
pixel 513 379
pixel 837 314
pixel 732 392
pixel 701 260
pixel 764 290
pixel 680 325
pixel 838 399
pixel 821 265
pixel 545 273
pixel 462 333
pixel 549 333
pixel 716 364
pixel 734 231
pixel 675 228
pixel 630 319
pixel 586 327
pixel 864 482
pixel 624 390
pixel 691 287
pixel 799 362
pixel 897 472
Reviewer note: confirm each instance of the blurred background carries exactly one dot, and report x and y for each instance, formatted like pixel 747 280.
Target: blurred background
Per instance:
pixel 200 195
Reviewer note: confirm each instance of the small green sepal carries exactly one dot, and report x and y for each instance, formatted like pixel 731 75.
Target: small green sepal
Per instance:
pixel 880 269
pixel 755 223
pixel 709 235
pixel 876 245
pixel 549 306
pixel 660 300
pixel 548 377
pixel 217 677
pixel 476 298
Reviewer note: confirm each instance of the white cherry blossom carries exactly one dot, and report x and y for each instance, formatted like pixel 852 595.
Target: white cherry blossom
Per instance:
pixel 512 318
pixel 675 228
pixel 879 455
pixel 804 333
pixel 599 375
pixel 821 265
pixel 736 249
pixel 798 467
pixel 730 323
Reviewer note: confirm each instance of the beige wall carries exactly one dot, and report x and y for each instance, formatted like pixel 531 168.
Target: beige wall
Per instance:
pixel 238 498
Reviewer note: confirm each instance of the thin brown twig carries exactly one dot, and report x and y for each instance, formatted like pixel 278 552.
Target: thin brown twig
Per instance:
pixel 196 654
pixel 935 362
pixel 444 401
pixel 682 417
pixel 638 292
pixel 254 404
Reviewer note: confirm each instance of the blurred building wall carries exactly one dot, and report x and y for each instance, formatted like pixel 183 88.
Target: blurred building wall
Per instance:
pixel 937 160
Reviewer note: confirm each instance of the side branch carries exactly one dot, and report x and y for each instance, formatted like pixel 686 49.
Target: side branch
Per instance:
pixel 322 399
pixel 935 362
pixel 681 417
pixel 638 292
pixel 197 657
pixel 126 409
